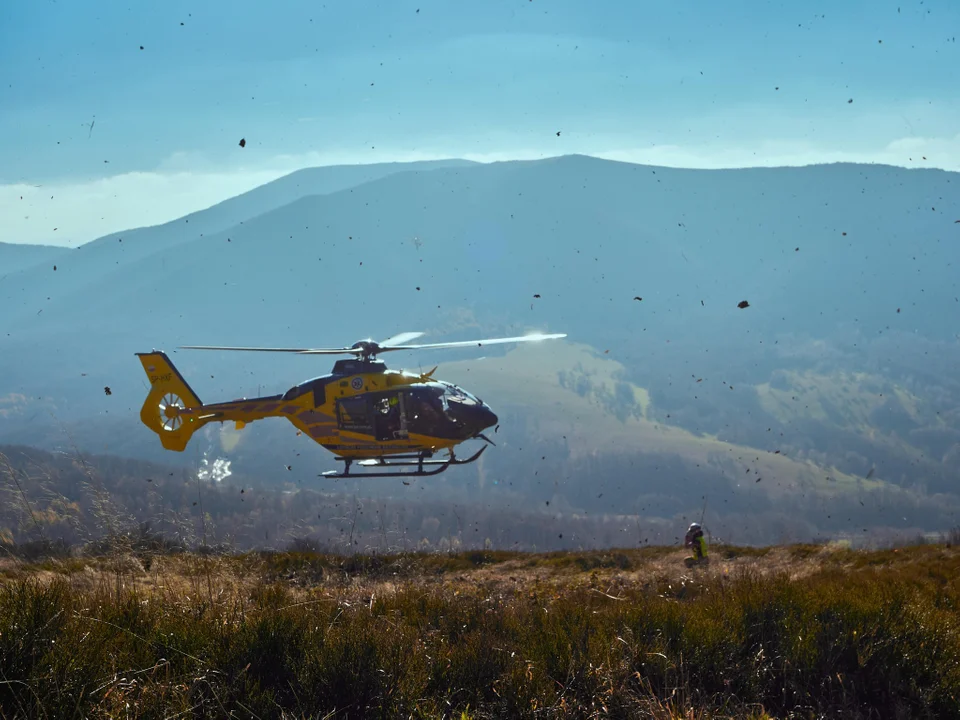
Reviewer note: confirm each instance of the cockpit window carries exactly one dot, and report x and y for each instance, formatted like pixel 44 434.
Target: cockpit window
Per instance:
pixel 427 411
pixel 457 394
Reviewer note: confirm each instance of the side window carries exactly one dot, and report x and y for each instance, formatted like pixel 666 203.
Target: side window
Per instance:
pixel 352 414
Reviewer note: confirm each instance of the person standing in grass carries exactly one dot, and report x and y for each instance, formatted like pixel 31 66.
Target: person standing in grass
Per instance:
pixel 698 542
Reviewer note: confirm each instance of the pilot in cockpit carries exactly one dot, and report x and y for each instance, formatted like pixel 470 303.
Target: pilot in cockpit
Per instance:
pixel 427 410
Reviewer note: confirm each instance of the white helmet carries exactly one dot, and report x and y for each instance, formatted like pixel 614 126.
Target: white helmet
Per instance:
pixel 693 527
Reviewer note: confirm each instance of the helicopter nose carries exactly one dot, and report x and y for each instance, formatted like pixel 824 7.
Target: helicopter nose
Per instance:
pixel 479 419
pixel 472 418
pixel 483 418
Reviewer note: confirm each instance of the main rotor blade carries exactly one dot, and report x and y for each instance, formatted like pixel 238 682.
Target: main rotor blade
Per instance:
pixel 302 351
pixel 476 343
pixel 331 351
pixel 376 348
pixel 400 339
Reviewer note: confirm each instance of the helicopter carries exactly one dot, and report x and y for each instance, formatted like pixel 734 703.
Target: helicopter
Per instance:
pixel 363 412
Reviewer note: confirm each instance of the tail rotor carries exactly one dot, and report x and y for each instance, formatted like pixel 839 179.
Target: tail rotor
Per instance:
pixel 168 409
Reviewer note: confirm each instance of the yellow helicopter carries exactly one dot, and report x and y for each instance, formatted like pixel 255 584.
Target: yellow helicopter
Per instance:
pixel 362 411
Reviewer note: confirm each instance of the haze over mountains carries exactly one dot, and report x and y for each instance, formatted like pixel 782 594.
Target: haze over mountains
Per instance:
pixel 846 363
pixel 15 257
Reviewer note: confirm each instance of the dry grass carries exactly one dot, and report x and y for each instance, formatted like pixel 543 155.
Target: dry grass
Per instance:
pixel 793 631
pixel 501 571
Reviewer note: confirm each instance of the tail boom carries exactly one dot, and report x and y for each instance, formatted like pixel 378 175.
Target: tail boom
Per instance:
pixel 174 412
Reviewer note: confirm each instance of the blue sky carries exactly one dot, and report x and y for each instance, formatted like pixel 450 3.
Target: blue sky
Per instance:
pixel 307 83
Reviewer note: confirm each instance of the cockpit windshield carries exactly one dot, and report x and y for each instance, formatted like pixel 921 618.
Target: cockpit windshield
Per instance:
pixel 437 408
pixel 454 393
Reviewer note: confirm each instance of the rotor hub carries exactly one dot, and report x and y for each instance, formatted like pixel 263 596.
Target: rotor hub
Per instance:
pixel 368 349
pixel 170 408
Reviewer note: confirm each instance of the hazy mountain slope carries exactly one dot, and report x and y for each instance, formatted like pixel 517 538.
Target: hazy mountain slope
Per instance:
pixel 586 235
pixel 84 272
pixel 578 230
pixel 529 380
pixel 466 250
pixel 15 257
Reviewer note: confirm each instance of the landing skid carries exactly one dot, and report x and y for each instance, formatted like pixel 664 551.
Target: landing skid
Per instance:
pixel 418 460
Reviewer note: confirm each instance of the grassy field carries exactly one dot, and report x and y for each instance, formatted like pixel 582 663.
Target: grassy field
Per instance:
pixel 801 631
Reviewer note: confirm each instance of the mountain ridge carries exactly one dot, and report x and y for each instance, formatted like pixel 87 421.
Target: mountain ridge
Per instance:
pixel 16 257
pixel 134 244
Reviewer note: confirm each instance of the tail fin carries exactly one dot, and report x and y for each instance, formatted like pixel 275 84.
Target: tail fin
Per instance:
pixel 169 394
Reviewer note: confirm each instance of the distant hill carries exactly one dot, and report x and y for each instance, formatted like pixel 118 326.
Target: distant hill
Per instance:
pixel 16 257
pixel 91 262
pixel 845 359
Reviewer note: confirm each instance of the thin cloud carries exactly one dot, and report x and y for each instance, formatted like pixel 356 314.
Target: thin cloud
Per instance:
pixel 911 152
